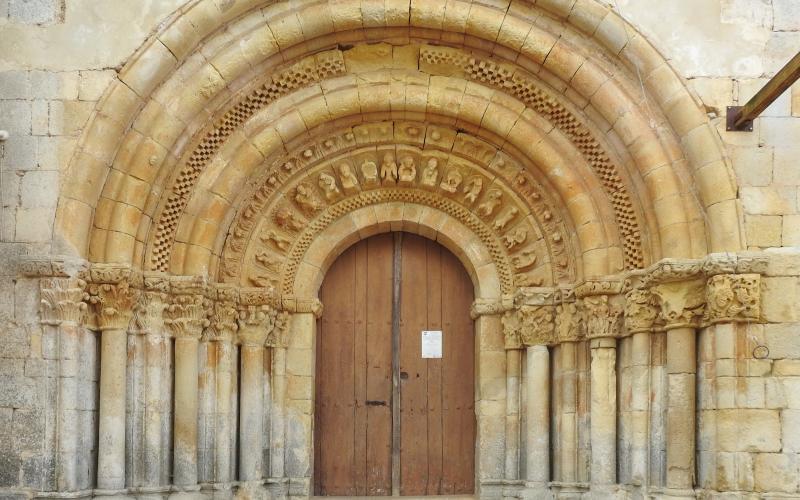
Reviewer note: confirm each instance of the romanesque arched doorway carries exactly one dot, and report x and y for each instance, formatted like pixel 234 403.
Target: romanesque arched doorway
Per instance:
pixel 394 408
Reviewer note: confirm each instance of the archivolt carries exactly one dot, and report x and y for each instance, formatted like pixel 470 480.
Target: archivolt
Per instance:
pixel 462 176
pixel 550 48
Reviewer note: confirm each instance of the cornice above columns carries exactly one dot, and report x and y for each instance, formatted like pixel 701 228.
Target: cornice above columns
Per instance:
pixel 669 294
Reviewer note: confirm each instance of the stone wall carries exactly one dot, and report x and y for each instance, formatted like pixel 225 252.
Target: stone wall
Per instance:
pixel 58 57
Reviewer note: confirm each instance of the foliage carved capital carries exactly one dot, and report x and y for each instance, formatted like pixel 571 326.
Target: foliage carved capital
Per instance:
pixel 62 300
pixel 681 303
pixel 733 298
pixel 185 317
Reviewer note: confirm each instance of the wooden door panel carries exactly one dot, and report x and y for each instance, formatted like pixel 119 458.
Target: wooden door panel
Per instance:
pixel 352 439
pixel 353 407
pixel 413 369
pixel 437 420
pixel 458 375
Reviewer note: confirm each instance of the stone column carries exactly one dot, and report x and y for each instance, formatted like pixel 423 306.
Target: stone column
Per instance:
pixel 258 322
pixel 513 375
pixel 278 420
pixel 221 332
pixel 186 318
pixel 532 325
pixel 601 320
pixel 62 310
pixel 737 361
pixel 567 333
pixel 681 306
pixel 640 314
pixel 113 299
pixel 537 435
pixel 148 323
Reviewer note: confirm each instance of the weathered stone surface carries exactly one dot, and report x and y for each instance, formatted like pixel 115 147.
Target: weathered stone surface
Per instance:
pixel 776 472
pixel 748 430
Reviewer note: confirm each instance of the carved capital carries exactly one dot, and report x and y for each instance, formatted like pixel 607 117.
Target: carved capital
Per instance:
pixel 601 316
pixel 148 315
pixel 258 325
pixel 223 314
pixel 529 325
pixel 641 310
pixel 185 317
pixel 733 298
pixel 567 322
pixel 681 302
pixel 62 300
pixel 113 304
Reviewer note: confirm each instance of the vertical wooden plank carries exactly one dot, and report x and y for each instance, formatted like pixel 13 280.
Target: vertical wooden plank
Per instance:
pixel 413 369
pixel 436 293
pixel 359 367
pixel 396 275
pixel 378 300
pixel 335 382
pixel 458 380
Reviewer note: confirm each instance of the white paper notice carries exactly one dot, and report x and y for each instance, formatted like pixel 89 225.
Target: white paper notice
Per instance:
pixel 431 343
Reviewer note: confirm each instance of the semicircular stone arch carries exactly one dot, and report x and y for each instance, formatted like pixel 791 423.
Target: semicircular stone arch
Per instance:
pixel 586 87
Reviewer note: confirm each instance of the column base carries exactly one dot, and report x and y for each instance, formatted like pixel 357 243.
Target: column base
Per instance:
pixel 251 490
pixel 670 493
pixel 537 491
pixel 188 493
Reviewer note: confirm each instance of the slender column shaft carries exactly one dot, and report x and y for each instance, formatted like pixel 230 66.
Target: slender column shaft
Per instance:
pixel 681 374
pixel 68 334
pixel 569 408
pixel 185 425
pixel 277 445
pixel 538 402
pixel 640 402
pixel 223 441
pixel 604 411
pixel 252 404
pixel 513 374
pixel 111 426
pixel 154 404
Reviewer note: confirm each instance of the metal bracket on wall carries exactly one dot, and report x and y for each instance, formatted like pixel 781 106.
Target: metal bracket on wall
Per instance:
pixel 740 118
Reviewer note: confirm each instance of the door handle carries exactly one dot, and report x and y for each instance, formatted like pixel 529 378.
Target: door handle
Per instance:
pixel 376 403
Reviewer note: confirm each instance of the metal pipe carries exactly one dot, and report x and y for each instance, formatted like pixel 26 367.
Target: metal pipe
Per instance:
pixel 740 118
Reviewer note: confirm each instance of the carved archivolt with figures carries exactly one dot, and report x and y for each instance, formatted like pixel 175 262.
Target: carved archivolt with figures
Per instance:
pixel 464 177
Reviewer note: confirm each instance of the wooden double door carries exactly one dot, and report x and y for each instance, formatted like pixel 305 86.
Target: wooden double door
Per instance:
pixel 388 421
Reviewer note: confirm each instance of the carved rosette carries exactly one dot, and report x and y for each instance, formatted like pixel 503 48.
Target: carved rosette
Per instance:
pixel 733 298
pixel 601 317
pixel 113 296
pixel 185 317
pixel 681 303
pixel 62 301
pixel 640 311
